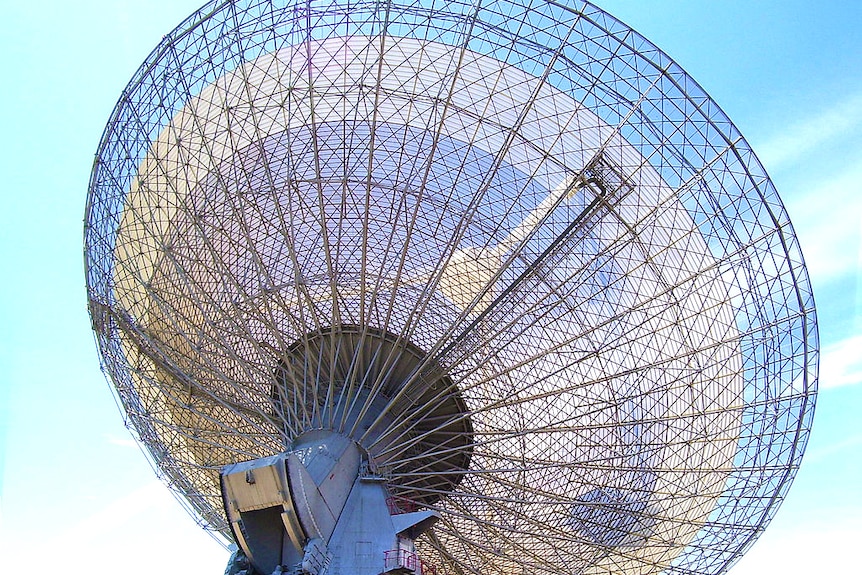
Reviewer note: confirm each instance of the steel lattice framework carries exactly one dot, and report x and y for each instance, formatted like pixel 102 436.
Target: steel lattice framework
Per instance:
pixel 515 233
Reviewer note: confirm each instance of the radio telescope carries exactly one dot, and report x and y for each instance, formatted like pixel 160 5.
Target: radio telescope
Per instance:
pixel 485 288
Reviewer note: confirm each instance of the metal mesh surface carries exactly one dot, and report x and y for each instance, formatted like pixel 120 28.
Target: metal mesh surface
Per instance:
pixel 523 212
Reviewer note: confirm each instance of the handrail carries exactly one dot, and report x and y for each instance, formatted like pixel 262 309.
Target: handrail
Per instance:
pixel 410 560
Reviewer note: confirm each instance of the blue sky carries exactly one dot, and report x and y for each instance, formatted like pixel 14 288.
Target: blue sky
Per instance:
pixel 74 487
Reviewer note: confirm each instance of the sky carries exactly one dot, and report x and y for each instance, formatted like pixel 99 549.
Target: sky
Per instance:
pixel 76 491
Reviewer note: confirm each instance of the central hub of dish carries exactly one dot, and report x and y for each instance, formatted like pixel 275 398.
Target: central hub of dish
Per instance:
pixel 383 393
pixel 375 433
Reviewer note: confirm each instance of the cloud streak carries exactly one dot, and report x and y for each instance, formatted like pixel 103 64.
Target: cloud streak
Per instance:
pixel 842 119
pixel 819 163
pixel 827 216
pixel 841 363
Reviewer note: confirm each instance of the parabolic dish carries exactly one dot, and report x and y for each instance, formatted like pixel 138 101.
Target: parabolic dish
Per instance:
pixel 510 249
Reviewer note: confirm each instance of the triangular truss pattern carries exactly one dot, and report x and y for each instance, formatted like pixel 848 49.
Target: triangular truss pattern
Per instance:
pixel 525 202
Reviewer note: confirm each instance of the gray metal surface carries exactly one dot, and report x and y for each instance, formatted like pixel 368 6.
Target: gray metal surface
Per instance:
pixel 317 510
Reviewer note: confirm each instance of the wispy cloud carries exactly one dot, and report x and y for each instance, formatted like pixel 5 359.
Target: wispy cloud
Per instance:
pixel 826 211
pixel 841 119
pixel 818 161
pixel 847 448
pixel 841 363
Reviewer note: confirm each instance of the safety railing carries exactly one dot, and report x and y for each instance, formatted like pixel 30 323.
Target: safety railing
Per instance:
pixel 408 560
